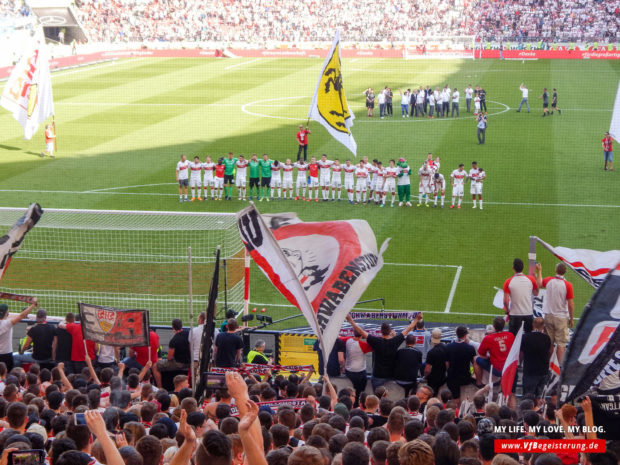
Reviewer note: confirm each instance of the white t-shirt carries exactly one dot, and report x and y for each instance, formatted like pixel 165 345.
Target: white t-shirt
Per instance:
pixel 6 336
pixel 106 354
pixel 420 98
pixel 355 359
pixel 349 171
pixel 468 93
pixel 456 96
pixel 242 167
pixel 381 98
pixel 208 167
pixel 324 167
pixel 196 169
pixel 195 339
pixel 404 179
pixel 361 173
pixel 183 169
pixel 404 99
pixel 287 172
pixel 440 182
pixel 525 91
pixel 459 177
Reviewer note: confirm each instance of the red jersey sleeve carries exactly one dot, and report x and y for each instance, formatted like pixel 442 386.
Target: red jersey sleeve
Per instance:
pixel 533 281
pixel 569 290
pixel 546 281
pixel 484 346
pixel 365 347
pixel 507 285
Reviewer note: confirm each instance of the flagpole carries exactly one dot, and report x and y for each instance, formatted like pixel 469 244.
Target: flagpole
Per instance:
pixel 191 316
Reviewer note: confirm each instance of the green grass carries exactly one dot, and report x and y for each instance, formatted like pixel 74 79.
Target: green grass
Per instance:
pixel 126 124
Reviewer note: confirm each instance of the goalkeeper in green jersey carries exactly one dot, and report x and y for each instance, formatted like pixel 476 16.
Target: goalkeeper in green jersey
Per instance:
pixel 265 180
pixel 229 175
pixel 254 175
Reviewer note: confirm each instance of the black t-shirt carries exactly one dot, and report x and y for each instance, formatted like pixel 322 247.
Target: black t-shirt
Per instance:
pixel 63 344
pixel 460 355
pixel 42 336
pixel 180 344
pixel 482 94
pixel 408 362
pixel 436 358
pixel 385 354
pixel 227 346
pixel 535 347
pixel 377 420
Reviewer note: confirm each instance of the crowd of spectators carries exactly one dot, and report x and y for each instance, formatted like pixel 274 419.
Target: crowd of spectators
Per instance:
pixel 260 22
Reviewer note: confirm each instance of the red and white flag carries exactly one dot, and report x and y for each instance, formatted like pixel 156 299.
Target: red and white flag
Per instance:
pixel 592 265
pixel 512 362
pixel 321 268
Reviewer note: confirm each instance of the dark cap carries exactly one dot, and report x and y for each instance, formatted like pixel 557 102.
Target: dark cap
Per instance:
pixel 41 315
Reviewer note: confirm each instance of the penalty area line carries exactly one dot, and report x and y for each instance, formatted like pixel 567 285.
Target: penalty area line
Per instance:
pixel 243 63
pixel 453 289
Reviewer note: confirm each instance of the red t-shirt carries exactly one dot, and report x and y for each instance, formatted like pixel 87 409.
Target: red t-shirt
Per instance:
pixel 607 144
pixel 142 353
pixel 313 168
pixel 77 343
pixel 302 137
pixel 497 345
pixel 219 171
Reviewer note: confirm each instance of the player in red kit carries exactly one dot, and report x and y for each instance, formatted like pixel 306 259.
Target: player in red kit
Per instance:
pixel 219 179
pixel 313 171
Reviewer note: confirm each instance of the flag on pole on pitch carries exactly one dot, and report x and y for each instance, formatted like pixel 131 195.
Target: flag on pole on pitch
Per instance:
pixel 329 105
pixel 614 128
pixel 592 265
pixel 321 268
pixel 13 240
pixel 28 92
pixel 592 358
pixel 510 365
pixel 114 326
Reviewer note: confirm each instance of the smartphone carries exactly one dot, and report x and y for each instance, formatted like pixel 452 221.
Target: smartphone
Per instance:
pixel 215 380
pixel 27 457
pixel 79 419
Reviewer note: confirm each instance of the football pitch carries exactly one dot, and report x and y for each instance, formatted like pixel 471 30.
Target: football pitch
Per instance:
pixel 123 125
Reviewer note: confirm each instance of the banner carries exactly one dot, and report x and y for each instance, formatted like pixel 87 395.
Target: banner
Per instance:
pixel 28 92
pixel 606 413
pixel 592 265
pixel 593 356
pixel 614 128
pixel 12 241
pixel 114 326
pixel 321 268
pixel 510 365
pixel 17 297
pixel 329 105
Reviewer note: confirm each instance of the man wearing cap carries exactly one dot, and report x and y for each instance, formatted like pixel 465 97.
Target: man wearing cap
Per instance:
pixel 6 331
pixel 41 336
pixel 435 368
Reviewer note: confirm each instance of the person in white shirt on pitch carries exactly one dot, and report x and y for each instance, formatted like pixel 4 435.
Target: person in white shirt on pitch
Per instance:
pixel 473 176
pixel 208 166
pixel 373 178
pixel 425 173
pixel 476 103
pixel 276 179
pixel 438 102
pixel 378 183
pixel 361 186
pixel 195 177
pixel 431 105
pixel 336 180
pixel 325 175
pixel 302 181
pixel 455 102
pixel 241 176
pixel 182 174
pixel 445 99
pixel 404 103
pixel 349 179
pixel 469 92
pixel 439 187
pixel 389 182
pixel 477 187
pixel 381 100
pixel 287 178
pixel 419 102
pixel 458 177
pixel 524 98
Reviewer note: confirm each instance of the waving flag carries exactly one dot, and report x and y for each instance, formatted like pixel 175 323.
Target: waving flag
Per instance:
pixel 329 105
pixel 614 128
pixel 593 357
pixel 321 268
pixel 114 326
pixel 512 362
pixel 592 265
pixel 12 241
pixel 28 92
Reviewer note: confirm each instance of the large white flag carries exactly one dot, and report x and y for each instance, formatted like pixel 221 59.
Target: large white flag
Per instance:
pixel 28 92
pixel 321 268
pixel 591 265
pixel 510 365
pixel 614 128
pixel 329 105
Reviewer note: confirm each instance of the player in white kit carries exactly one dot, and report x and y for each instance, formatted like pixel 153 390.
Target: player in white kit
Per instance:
pixel 336 180
pixel 389 182
pixel 458 177
pixel 361 173
pixel 425 173
pixel 195 177
pixel 439 187
pixel 302 180
pixel 476 186
pixel 349 179
pixel 241 176
pixel 208 166
pixel 380 172
pixel 183 177
pixel 473 176
pixel 325 176
pixel 287 178
pixel 372 178
pixel 276 179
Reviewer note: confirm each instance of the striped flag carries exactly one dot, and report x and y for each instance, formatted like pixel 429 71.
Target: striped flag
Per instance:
pixel 329 105
pixel 28 92
pixel 11 242
pixel 510 366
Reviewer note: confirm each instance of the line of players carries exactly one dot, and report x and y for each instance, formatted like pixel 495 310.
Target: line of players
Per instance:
pixel 364 182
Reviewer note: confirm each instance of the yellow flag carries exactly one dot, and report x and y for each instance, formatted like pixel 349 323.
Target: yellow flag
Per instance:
pixel 329 105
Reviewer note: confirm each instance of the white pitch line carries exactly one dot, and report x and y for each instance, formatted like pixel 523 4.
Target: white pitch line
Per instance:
pixel 453 289
pixel 243 63
pixel 131 187
pixel 422 264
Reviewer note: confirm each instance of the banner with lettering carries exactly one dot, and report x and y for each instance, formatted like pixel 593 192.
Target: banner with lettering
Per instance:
pixel 114 326
pixel 321 268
